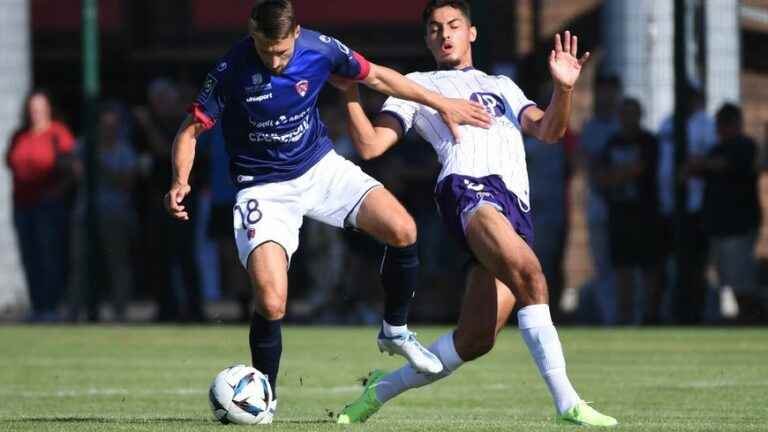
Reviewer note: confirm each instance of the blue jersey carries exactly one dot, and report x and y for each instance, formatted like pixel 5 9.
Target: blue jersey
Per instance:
pixel 271 123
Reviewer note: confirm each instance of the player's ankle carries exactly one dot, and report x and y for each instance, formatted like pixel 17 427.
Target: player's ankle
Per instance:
pixel 390 330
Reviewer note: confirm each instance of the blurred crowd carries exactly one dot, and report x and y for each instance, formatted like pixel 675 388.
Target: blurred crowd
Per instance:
pixel 672 232
pixel 671 239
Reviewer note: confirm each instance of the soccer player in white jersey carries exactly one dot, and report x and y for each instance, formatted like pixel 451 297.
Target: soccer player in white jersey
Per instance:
pixel 482 195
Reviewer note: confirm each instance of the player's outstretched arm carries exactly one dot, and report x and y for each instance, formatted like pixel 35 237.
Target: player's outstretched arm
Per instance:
pixel 565 68
pixel 455 112
pixel 370 140
pixel 183 154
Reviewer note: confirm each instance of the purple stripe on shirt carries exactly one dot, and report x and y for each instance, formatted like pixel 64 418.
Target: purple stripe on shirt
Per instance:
pixel 522 110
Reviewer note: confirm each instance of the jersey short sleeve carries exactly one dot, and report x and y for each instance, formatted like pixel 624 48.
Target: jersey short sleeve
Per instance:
pixel 403 110
pixel 212 99
pixel 515 97
pixel 344 61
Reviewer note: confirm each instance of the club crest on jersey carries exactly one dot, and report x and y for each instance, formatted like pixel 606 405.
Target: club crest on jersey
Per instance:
pixel 492 103
pixel 477 187
pixel 302 87
pixel 251 233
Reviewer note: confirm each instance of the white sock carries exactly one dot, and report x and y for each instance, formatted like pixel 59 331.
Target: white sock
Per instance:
pixel 544 345
pixel 392 331
pixel 407 378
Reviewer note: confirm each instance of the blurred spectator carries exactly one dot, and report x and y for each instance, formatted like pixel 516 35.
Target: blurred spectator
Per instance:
pixel 117 219
pixel 594 136
pixel 167 244
pixel 731 209
pixel 115 178
pixel 233 277
pixel 549 170
pixel 41 163
pixel 629 179
pixel 688 297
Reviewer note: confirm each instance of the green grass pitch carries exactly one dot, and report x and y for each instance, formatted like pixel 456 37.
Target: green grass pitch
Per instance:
pixel 156 378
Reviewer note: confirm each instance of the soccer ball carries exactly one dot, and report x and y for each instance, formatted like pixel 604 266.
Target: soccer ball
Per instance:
pixel 241 394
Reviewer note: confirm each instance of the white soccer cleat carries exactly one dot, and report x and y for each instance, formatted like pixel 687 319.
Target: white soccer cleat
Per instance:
pixel 407 346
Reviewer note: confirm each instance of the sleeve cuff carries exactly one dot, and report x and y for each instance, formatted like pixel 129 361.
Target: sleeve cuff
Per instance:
pixel 397 117
pixel 200 116
pixel 365 66
pixel 522 110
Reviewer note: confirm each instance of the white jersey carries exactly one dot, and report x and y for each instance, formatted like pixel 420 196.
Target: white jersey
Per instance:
pixel 481 152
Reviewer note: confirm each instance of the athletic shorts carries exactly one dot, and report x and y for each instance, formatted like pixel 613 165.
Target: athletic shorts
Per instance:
pixel 331 192
pixel 459 197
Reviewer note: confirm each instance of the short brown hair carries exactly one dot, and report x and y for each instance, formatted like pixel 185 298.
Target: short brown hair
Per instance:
pixel 275 19
pixel 462 5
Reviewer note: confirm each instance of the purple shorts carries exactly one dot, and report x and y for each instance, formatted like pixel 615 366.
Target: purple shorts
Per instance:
pixel 458 197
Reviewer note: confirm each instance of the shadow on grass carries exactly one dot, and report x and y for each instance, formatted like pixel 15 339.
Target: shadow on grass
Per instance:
pixel 75 419
pixel 148 420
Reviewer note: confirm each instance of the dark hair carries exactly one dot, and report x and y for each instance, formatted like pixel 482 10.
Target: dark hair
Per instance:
pixel 275 19
pixel 728 114
pixel 26 122
pixel 462 5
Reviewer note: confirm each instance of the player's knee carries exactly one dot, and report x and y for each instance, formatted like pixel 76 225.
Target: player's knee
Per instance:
pixel 403 232
pixel 271 309
pixel 479 347
pixel 269 303
pixel 471 346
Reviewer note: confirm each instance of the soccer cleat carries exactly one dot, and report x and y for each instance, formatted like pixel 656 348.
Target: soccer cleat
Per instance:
pixel 366 405
pixel 270 415
pixel 407 346
pixel 584 415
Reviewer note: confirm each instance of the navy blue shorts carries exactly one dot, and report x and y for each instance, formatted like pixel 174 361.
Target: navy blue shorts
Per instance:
pixel 458 197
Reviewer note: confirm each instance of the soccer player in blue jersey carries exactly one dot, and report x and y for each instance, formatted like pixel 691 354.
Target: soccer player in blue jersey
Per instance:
pixel 264 92
pixel 483 197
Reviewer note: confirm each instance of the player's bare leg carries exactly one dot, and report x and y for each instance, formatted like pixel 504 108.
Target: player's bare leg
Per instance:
pixel 508 257
pixel 486 307
pixel 382 216
pixel 485 310
pixel 268 272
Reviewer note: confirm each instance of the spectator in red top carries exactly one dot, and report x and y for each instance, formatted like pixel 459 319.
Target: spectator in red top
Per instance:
pixel 40 160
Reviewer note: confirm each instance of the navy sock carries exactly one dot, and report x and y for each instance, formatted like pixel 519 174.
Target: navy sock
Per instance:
pixel 266 342
pixel 399 276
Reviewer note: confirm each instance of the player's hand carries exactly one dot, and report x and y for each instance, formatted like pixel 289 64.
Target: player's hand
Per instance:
pixel 457 112
pixel 564 63
pixel 173 200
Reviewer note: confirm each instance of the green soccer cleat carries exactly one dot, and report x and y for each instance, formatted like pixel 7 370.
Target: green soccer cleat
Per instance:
pixel 584 415
pixel 366 405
